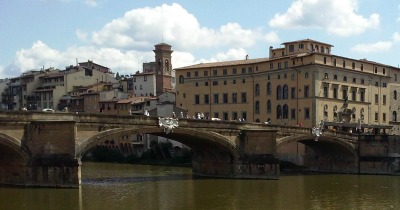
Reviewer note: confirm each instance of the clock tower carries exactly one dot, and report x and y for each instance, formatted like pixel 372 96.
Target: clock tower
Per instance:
pixel 163 68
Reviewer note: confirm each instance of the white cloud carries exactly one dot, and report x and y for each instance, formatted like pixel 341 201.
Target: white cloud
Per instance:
pixel 336 17
pixel 125 62
pixel 172 24
pixel 91 3
pixel 373 47
pixel 396 37
pixel 125 43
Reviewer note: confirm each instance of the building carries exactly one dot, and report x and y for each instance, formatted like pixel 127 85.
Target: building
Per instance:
pixel 299 84
pixel 157 76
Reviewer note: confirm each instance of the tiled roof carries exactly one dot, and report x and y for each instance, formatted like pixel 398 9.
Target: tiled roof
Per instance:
pixel 225 63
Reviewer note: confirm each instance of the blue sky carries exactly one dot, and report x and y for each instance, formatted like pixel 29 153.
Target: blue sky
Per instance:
pixel 122 34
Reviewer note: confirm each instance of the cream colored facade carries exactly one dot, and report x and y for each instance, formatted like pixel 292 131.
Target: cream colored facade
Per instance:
pixel 301 83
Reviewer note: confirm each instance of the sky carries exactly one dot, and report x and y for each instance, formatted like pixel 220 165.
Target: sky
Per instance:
pixel 121 34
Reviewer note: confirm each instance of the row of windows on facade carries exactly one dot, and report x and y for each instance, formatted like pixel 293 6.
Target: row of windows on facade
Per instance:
pixel 57 79
pixel 279 65
pixel 335 77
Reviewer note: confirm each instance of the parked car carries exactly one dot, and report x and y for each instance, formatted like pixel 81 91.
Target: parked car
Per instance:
pixel 48 110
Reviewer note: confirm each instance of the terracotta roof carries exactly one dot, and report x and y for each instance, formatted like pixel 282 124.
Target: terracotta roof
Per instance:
pixel 225 63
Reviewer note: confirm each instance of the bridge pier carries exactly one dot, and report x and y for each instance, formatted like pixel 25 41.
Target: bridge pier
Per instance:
pixel 52 161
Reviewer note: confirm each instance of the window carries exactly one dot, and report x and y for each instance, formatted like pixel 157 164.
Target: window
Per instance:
pixel 291 48
pixel 306 75
pixel 353 65
pixel 196 73
pixel 324 60
pixel 285 111
pixel 353 95
pixel 306 113
pixel 243 81
pixel 384 99
pixel 293 92
pixel 279 65
pixel 243 70
pixel 394 116
pixel 234 98
pixel 335 77
pixel 205 83
pixel 215 83
pixel 354 80
pixel 326 76
pixel 325 91
pixel 279 112
pixel 344 64
pixel 362 81
pixel 216 97
pixel 244 97
pixel 225 115
pixel 215 72
pixel 344 94
pixel 395 77
pixel 285 92
pixel 268 88
pixel 225 98
pixel 206 73
pixel 206 99
pixel 234 81
pixel 257 107
pixel 234 71
pixel 376 116
pixel 197 85
pixel 257 90
pixel 376 70
pixel 269 106
pixel 376 98
pixel 334 62
pixel 224 71
pixel 286 64
pixel 293 114
pixel 181 80
pixel 306 89
pixel 196 99
pixel 344 79
pixel 250 69
pixel 395 95
pixel 362 95
pixel 234 115
pixel 279 92
pixel 335 92
pixel 216 115
pixel 271 66
pixel 224 82
pixel 244 115
pixel 188 74
pixel 362 67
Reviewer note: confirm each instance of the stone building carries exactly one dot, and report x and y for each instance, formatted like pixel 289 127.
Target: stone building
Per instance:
pixel 301 83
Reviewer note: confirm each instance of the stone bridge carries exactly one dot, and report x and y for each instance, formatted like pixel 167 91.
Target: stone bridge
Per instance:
pixel 44 149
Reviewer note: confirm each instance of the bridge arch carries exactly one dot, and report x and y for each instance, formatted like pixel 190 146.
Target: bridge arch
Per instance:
pixel 13 160
pixel 202 142
pixel 327 154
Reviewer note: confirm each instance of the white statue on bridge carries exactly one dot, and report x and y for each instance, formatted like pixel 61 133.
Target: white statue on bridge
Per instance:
pixel 317 132
pixel 168 123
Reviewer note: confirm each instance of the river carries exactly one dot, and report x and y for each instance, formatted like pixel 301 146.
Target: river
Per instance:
pixel 123 186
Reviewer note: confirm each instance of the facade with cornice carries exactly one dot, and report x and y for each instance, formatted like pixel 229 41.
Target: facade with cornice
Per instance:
pixel 299 84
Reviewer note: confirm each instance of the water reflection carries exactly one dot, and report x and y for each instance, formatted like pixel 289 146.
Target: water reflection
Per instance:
pixel 116 186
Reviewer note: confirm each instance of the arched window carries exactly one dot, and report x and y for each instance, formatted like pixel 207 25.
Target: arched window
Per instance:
pixel 326 76
pixel 279 112
pixel 345 79
pixel 257 107
pixel 394 116
pixel 269 106
pixel 335 77
pixel 395 95
pixel 181 80
pixel 268 88
pixel 279 92
pixel 285 111
pixel 257 90
pixel 285 92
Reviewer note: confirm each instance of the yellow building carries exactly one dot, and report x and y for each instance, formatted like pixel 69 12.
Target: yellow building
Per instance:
pixel 301 84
